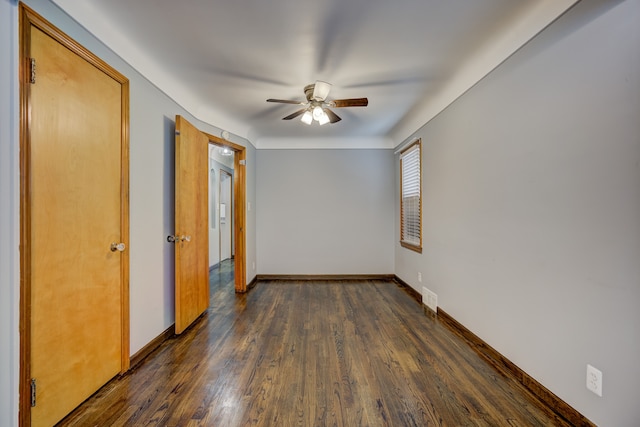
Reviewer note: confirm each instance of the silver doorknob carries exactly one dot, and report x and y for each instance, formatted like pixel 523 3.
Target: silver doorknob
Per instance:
pixel 117 247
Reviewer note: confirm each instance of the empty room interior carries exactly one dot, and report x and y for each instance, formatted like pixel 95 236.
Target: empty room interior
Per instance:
pixel 426 187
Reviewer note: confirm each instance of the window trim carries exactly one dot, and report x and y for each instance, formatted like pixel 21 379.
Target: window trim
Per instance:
pixel 410 245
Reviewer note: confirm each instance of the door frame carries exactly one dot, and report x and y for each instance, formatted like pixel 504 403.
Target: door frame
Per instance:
pixel 239 214
pixel 28 19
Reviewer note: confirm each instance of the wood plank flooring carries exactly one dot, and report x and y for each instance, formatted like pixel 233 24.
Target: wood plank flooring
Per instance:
pixel 313 354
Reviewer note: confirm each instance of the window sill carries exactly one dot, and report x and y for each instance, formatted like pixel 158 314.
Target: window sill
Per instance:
pixel 411 247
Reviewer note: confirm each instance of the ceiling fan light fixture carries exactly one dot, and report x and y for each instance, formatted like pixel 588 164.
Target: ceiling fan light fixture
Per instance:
pixel 317 106
pixel 307 117
pixel 226 151
pixel 321 90
pixel 317 113
pixel 324 119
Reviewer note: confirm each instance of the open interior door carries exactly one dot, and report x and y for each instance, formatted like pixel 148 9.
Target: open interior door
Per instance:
pixel 191 224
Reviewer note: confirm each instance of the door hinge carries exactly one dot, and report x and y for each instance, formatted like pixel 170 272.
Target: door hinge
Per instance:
pixel 242 162
pixel 32 73
pixel 33 392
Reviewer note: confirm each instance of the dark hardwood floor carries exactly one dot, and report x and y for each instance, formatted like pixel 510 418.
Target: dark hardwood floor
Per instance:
pixel 312 354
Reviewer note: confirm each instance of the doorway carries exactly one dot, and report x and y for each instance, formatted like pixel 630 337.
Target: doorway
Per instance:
pixel 226 216
pixel 234 210
pixel 221 215
pixel 191 236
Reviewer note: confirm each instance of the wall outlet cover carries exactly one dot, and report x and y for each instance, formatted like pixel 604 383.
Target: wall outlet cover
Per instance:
pixel 594 380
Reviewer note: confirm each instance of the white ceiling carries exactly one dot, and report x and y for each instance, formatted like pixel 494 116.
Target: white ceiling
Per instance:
pixel 221 59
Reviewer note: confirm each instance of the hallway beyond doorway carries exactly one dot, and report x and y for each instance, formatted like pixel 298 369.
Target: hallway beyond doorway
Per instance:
pixel 221 277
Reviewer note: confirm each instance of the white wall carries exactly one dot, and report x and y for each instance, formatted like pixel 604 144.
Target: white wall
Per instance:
pixel 325 211
pixel 251 250
pixel 532 209
pixel 226 223
pixel 152 126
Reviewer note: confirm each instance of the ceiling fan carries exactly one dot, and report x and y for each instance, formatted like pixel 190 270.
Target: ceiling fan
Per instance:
pixel 316 107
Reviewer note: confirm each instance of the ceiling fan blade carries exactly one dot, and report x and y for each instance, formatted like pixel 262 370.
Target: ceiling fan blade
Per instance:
pixel 321 90
pixel 294 115
pixel 333 117
pixel 352 102
pixel 286 101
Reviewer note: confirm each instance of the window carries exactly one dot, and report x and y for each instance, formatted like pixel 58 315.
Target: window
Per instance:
pixel 410 191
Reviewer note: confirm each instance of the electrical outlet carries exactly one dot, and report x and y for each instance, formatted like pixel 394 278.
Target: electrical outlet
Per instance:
pixel 594 380
pixel 419 277
pixel 253 265
pixel 430 299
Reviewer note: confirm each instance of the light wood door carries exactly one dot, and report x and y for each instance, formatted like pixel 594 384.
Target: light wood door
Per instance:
pixel 74 209
pixel 192 226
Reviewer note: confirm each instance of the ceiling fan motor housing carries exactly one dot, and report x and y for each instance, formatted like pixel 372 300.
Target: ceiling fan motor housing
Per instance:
pixel 308 91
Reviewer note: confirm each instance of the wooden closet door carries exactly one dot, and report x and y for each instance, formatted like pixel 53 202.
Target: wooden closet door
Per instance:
pixel 75 208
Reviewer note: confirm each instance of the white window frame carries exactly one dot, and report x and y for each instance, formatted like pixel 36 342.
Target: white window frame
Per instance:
pixel 411 196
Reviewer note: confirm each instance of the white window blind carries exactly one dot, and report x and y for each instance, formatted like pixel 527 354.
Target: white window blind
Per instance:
pixel 411 221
